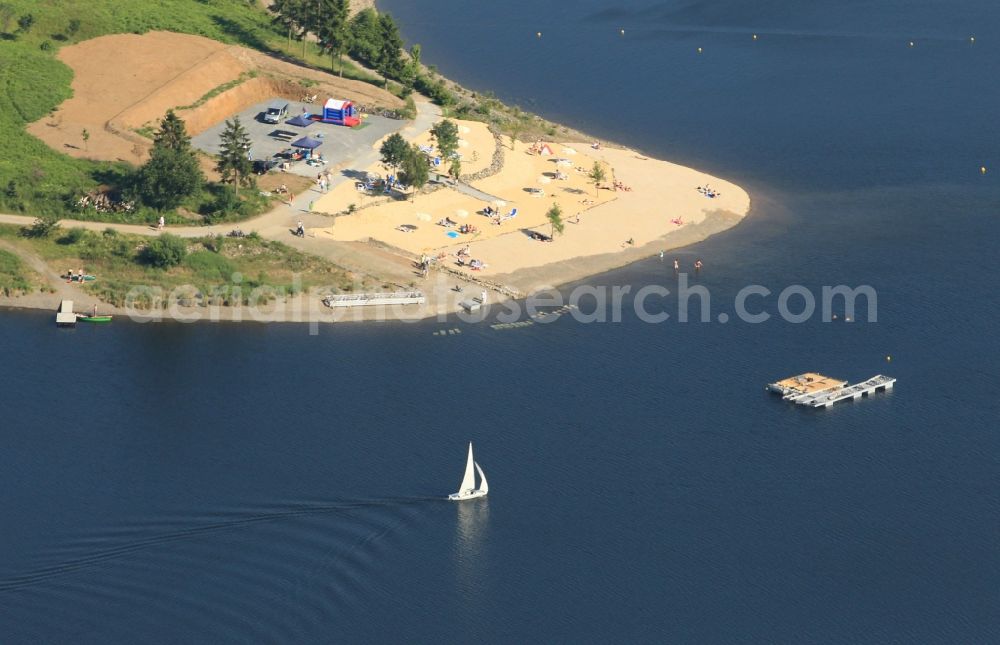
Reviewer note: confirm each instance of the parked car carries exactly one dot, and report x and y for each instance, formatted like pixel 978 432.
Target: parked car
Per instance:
pixel 276 112
pixel 263 166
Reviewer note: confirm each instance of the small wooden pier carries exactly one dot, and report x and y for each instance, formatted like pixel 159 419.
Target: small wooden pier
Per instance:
pixel 65 316
pixel 369 299
pixel 817 391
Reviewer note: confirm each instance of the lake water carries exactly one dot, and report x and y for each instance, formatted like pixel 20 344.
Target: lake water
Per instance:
pixel 248 483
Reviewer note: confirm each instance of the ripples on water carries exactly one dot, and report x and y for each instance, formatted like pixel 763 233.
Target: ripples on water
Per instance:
pixel 274 573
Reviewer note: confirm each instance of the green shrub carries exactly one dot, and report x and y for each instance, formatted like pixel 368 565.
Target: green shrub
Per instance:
pixel 165 251
pixel 73 236
pixel 41 228
pixel 209 266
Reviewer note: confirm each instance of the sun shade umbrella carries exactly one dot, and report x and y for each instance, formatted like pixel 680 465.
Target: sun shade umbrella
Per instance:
pixel 307 143
pixel 301 120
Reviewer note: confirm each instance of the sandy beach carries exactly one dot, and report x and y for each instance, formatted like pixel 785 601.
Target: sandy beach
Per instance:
pixel 659 206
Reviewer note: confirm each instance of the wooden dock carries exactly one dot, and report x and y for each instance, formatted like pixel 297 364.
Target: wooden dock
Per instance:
pixel 818 391
pixel 65 316
pixel 369 299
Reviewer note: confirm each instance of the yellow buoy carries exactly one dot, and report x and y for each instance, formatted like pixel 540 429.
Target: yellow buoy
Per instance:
pixel 982 170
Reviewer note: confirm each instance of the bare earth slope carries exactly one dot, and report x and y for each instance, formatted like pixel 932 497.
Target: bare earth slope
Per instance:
pixel 123 82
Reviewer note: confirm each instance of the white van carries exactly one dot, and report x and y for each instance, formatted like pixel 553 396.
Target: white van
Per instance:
pixel 276 112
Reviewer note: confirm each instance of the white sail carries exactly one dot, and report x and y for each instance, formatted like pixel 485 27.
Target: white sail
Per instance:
pixel 469 481
pixel 483 486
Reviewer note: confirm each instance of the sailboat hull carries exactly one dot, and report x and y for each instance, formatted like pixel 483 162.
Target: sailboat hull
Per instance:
pixel 468 494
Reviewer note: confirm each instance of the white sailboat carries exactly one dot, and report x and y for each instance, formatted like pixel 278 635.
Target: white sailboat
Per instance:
pixel 467 489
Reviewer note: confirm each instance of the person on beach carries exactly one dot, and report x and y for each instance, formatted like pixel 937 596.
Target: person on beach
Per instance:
pixel 95 311
pixel 697 266
pixel 311 206
pixel 300 230
pixel 677 265
pixel 291 198
pixel 661 256
pixel 482 297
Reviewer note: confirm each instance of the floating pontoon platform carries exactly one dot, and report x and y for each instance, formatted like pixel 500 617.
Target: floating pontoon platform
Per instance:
pixel 65 316
pixel 818 391
pixel 367 299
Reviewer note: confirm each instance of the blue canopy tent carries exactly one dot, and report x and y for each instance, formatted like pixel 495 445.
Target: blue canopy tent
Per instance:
pixel 301 120
pixel 308 144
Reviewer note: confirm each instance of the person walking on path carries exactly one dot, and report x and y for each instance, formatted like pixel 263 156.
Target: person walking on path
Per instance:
pixel 161 223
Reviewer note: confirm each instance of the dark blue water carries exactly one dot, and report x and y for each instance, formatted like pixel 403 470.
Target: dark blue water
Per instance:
pixel 222 483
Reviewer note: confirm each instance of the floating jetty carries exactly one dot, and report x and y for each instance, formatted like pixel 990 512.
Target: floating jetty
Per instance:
pixel 65 316
pixel 817 391
pixel 367 299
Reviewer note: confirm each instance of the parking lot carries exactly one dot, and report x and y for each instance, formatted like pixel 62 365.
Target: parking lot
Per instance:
pixel 340 144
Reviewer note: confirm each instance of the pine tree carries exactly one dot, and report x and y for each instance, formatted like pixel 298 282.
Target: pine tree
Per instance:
pixel 172 172
pixel 172 133
pixel 234 155
pixel 332 29
pixel 390 58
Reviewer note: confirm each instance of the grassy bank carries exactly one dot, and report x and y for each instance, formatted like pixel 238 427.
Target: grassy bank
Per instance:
pixel 15 277
pixel 35 179
pixel 227 269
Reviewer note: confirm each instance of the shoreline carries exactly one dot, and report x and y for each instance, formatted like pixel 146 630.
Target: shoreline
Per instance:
pixel 659 211
pixel 525 275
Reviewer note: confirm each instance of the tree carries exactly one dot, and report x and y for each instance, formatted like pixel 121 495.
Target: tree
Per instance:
pixel 172 134
pixel 410 71
pixel 597 176
pixel 455 169
pixel 414 168
pixel 445 135
pixel 73 27
pixel 86 137
pixel 287 14
pixel 394 150
pixel 234 155
pixel 42 227
pixel 365 37
pixel 332 29
pixel 24 23
pixel 554 216
pixel 389 59
pixel 165 251
pixel 172 172
pixel 168 178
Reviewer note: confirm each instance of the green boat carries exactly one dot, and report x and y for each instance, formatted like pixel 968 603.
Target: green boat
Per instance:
pixel 94 319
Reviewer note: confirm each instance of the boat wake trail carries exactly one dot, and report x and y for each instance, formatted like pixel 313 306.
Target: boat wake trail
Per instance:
pixel 266 573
